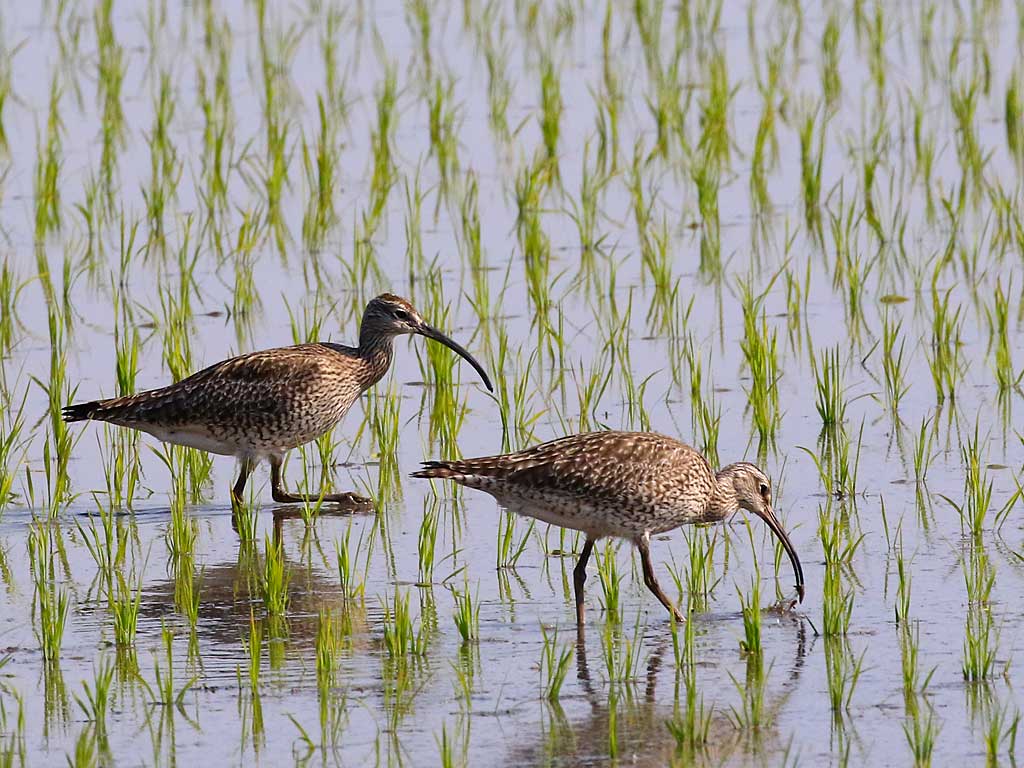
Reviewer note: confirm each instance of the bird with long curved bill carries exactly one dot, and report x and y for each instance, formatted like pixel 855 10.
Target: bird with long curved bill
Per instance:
pixel 261 405
pixel 631 485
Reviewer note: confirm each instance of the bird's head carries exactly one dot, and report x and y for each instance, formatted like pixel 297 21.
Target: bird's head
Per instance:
pixel 388 316
pixel 752 491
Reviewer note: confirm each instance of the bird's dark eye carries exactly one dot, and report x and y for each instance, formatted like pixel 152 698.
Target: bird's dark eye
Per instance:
pixel 764 489
pixel 401 314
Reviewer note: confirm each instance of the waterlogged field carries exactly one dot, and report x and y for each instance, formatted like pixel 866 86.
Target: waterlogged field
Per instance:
pixel 792 236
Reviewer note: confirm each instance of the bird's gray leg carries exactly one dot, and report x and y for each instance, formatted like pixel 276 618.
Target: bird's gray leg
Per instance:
pixel 238 489
pixel 281 496
pixel 579 577
pixel 644 545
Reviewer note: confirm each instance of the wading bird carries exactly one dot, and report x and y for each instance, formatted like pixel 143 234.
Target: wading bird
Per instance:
pixel 263 404
pixel 632 485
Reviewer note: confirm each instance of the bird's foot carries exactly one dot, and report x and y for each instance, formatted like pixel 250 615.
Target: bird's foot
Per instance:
pixel 353 499
pixel 347 499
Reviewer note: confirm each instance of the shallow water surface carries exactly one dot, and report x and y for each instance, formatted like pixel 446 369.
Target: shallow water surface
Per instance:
pixel 637 216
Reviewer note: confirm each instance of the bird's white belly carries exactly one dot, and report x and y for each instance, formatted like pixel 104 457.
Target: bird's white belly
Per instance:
pixel 198 440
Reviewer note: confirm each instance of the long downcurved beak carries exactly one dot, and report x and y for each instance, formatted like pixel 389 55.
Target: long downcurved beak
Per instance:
pixel 436 335
pixel 773 522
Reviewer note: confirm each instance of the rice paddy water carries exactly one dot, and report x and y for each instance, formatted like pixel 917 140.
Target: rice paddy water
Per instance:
pixel 781 231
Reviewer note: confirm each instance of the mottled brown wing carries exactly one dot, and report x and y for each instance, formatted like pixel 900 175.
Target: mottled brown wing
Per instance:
pixel 619 467
pixel 265 382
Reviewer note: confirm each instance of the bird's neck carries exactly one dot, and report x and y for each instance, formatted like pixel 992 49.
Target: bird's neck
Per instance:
pixel 375 353
pixel 723 500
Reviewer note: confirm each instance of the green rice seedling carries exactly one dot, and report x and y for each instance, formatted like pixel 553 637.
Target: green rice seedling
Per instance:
pixel 838 543
pixel 321 166
pixel 385 171
pixel 923 454
pixel 104 545
pixel 611 583
pixel 1014 117
pixel 52 602
pixel 554 664
pixel 187 590
pixel 334 85
pixel 1001 728
pixel 765 156
pixel 253 648
pixel 902 607
pixel 896 385
pixel 442 121
pixel 689 728
pixel 467 615
pixel 385 413
pixel 165 166
pixel 999 341
pixel 351 585
pixel 836 603
pixel 12 453
pixel 750 606
pixel 164 693
pixel 714 117
pixel 427 540
pixel 499 87
pixel 472 252
pixel 924 155
pixel 921 731
pixel 831 78
pixel 621 653
pixel 831 398
pixel 448 407
pixel 49 157
pixel 59 439
pixel 5 94
pixel 585 215
pixel 944 356
pixel 328 646
pixel 97 698
pixel 511 543
pixel 551 112
pixel 218 121
pixel 706 175
pixel 10 290
pixel 979 575
pixel 964 105
pixel 812 154
pixel 274 578
pixel 913 684
pixel 978 492
pixel 980 640
pixel 700 572
pixel 706 413
pixel 112 69
pixel 402 639
pixel 752 715
pixel 843 673
pixel 760 350
pixel 124 605
pixel 417 15
pixel 846 466
pixel 275 58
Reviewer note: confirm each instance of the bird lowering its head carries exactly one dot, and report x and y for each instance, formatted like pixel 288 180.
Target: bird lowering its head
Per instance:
pixel 745 486
pixel 388 316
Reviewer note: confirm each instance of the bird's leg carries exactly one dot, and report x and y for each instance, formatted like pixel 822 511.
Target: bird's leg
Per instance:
pixel 579 577
pixel 644 545
pixel 238 489
pixel 281 496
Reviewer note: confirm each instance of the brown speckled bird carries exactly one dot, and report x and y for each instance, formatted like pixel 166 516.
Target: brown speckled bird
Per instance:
pixel 263 404
pixel 627 484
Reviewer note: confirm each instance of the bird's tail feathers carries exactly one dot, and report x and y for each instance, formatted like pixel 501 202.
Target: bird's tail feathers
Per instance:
pixel 438 469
